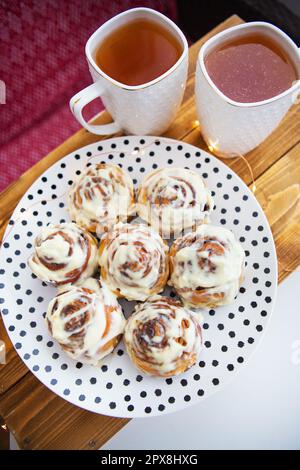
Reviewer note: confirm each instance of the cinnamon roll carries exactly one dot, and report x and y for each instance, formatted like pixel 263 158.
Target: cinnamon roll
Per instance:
pixel 162 337
pixel 64 254
pixel 134 261
pixel 207 267
pixel 87 322
pixel 174 200
pixel 101 196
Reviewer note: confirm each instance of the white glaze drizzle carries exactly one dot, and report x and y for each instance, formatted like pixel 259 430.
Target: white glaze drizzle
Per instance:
pixel 176 200
pixel 192 266
pixel 100 197
pixel 164 359
pixel 51 246
pixel 92 349
pixel 138 246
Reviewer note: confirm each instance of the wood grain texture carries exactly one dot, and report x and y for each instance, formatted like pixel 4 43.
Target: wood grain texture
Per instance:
pixel 278 192
pixel 41 420
pixel 4 436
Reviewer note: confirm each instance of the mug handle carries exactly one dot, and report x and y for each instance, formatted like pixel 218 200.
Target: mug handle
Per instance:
pixel 81 99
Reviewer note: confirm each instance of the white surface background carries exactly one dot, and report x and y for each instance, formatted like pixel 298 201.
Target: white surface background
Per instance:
pixel 259 409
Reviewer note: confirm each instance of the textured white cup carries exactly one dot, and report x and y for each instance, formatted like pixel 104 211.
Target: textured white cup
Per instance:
pixel 143 109
pixel 231 128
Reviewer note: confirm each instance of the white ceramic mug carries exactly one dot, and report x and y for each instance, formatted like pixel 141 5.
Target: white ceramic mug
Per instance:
pixel 231 128
pixel 143 109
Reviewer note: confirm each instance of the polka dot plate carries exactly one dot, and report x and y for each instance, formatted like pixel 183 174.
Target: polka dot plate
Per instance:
pixel 230 334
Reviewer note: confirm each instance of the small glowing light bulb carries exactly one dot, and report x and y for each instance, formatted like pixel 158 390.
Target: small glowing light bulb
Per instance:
pixel 213 146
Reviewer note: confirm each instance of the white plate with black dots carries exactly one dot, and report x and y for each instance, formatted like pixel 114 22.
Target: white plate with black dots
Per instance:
pixel 230 333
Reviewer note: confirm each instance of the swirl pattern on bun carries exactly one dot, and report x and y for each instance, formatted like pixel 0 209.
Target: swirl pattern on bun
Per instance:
pixel 64 254
pixel 134 261
pixel 87 322
pixel 101 197
pixel 162 337
pixel 174 200
pixel 207 267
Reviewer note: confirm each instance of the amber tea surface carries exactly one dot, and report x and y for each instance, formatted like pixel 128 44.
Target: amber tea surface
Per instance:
pixel 250 68
pixel 138 52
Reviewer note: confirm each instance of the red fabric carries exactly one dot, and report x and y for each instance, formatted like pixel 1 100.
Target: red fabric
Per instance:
pixel 43 64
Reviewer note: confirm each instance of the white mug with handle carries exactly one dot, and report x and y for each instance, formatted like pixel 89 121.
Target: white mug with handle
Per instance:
pixel 143 109
pixel 231 128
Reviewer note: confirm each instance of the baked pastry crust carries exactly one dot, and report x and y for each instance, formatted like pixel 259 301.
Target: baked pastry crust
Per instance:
pixel 64 254
pixel 86 321
pixel 207 267
pixel 102 196
pixel 174 200
pixel 134 261
pixel 162 337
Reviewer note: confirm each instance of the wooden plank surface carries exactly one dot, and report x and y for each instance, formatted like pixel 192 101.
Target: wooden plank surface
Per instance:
pixel 37 417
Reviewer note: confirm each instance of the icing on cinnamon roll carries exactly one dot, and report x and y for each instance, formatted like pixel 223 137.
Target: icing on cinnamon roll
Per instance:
pixel 162 337
pixel 134 261
pixel 207 267
pixel 87 322
pixel 100 197
pixel 174 200
pixel 64 254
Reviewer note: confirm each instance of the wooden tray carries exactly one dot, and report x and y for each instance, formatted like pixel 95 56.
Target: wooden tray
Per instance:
pixel 41 420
